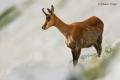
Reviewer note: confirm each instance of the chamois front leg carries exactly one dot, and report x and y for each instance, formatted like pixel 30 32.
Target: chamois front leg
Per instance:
pixel 75 55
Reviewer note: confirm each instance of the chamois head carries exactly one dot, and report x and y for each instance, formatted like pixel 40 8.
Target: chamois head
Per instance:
pixel 49 18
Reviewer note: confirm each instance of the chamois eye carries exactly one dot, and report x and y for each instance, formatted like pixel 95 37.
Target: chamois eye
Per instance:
pixel 48 18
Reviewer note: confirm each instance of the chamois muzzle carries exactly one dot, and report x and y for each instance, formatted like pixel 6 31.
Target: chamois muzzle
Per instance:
pixel 44 26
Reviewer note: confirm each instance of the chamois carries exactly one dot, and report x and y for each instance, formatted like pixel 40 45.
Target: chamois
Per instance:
pixel 79 34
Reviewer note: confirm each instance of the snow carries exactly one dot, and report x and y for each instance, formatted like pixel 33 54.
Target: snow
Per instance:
pixel 29 53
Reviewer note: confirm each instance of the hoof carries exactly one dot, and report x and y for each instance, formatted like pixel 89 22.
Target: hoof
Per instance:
pixel 75 62
pixel 99 55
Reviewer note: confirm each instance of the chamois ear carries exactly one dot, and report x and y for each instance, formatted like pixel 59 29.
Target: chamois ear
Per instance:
pixel 52 8
pixel 51 11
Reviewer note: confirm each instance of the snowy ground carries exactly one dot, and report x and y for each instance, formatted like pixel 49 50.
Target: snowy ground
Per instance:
pixel 29 53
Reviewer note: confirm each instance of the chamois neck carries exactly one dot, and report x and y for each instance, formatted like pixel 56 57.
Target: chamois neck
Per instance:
pixel 62 27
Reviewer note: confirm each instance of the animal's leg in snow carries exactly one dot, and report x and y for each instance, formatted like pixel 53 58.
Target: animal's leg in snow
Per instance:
pixel 76 54
pixel 98 46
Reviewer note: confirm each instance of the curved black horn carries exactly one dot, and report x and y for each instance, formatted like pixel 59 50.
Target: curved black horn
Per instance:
pixel 49 11
pixel 44 12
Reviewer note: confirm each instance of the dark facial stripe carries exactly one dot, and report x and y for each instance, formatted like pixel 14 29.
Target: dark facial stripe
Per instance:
pixel 44 26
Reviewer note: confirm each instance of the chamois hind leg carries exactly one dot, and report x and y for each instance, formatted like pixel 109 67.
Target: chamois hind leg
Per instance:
pixel 76 54
pixel 98 46
pixel 98 49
